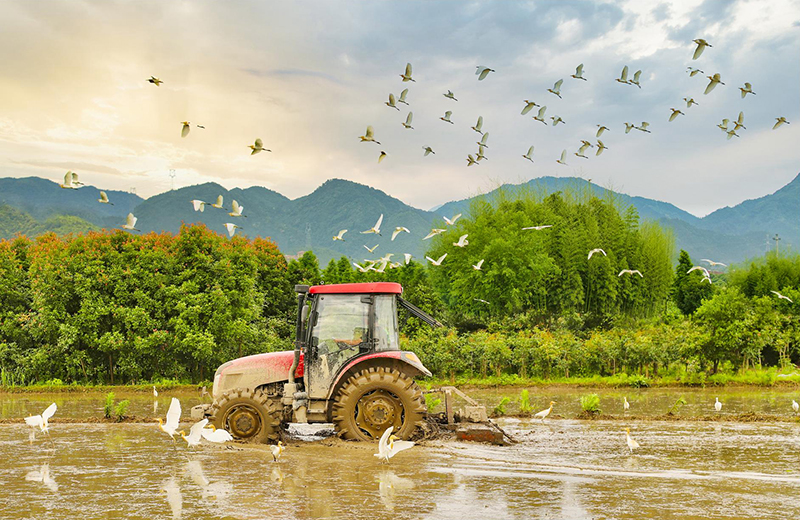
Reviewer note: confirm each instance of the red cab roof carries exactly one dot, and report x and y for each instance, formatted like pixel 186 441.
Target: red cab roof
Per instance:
pixel 358 288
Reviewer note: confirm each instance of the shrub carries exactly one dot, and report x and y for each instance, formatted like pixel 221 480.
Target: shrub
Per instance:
pixel 591 403
pixel 121 408
pixel 524 403
pixel 108 408
pixel 431 402
pixel 500 409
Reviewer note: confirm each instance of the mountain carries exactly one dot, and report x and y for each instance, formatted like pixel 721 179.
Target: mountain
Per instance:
pixel 14 221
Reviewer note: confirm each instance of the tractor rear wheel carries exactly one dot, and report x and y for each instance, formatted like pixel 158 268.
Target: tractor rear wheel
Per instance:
pixel 375 398
pixel 248 416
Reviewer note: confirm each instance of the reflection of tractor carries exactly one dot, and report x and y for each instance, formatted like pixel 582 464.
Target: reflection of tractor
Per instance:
pixel 347 368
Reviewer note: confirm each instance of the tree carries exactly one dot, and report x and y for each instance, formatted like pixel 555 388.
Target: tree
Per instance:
pixel 689 290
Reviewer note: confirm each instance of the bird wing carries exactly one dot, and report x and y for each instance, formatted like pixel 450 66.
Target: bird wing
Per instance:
pixel 185 130
pixel 235 207
pixel 384 441
pixel 392 101
pixel 740 119
pixel 173 414
pixel 409 118
pixel 457 216
pixel 403 94
pixel 408 69
pixel 528 107
pixel 395 233
pixel 36 421
pixel 479 124
pixel 485 138
pixel 68 179
pixel 542 111
pixel 484 73
pixel 636 76
pixel 557 84
pixel 624 75
pixel 195 432
pixel 579 70
pixel 441 258
pixel 530 151
pixel 563 155
pixel 49 412
pixel 398 446
pixel 480 263
pixel 378 223
pixel 447 114
pixel 370 132
pixel 131 220
pixel 103 196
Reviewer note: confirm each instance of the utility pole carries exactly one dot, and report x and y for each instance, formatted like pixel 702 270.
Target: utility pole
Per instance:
pixel 132 190
pixel 172 179
pixel 777 239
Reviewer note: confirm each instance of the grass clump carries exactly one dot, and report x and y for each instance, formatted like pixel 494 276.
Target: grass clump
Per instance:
pixel 591 403
pixel 676 406
pixel 108 407
pixel 432 402
pixel 525 403
pixel 500 409
pixel 120 409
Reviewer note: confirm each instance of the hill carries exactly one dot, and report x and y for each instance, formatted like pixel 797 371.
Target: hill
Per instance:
pixel 13 222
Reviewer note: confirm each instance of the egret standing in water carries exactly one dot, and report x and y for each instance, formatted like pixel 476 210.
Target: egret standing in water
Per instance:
pixel 625 404
pixel 40 421
pixel 795 406
pixel 544 413
pixel 277 451
pixel 717 405
pixel 632 444
pixel 389 445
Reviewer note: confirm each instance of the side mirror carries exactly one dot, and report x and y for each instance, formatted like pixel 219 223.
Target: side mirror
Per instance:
pixel 304 314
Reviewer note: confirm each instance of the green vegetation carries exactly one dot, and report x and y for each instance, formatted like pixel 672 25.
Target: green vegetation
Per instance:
pixel 120 409
pixel 525 403
pixel 591 403
pixel 108 407
pixel 676 406
pixel 432 402
pixel 500 409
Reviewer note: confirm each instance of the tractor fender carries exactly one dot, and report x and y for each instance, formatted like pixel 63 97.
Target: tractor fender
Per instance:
pixel 406 361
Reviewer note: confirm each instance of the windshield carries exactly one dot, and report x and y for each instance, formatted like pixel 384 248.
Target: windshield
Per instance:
pixel 386 323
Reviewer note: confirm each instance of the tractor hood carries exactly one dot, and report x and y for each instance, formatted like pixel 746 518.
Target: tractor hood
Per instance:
pixel 253 371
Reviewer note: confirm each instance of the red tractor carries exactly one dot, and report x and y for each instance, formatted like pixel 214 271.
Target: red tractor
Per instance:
pixel 347 368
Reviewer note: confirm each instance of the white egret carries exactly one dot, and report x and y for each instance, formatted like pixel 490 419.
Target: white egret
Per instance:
pixel 625 404
pixel 381 157
pixel 408 257
pixel 277 451
pixel 556 88
pixel 699 268
pixel 732 133
pixel 540 116
pixel 795 406
pixel 185 128
pixel 389 445
pixel 635 80
pixel 195 433
pixel 529 154
pixel 198 205
pixel 398 230
pixel 369 136
pixel 155 392
pixel 675 113
pixel 717 404
pixel 450 95
pixel 537 228
pixel 361 268
pixel 434 232
pixel 452 221
pixel 631 271
pixel 392 103
pixel 471 160
pixel 68 181
pixel 480 155
pixel 215 435
pixel 218 203
pixel 600 147
pixel 462 241
pixel 544 413
pixel 780 121
pixel 130 223
pixel 578 73
pixel 155 81
pixel 482 301
pixel 371 249
pixel 40 421
pixel 437 262
pixel 701 45
pixel 258 147
pixel 478 266
pixel 428 151
pixel 694 72
pixel 557 119
pixel 629 127
pixel 713 263
pixel 623 77
pixel 690 102
pixel 236 209
pixel 715 80
pixel 173 419
pixel 479 125
pixel 601 129
pixel 747 89
pixel 402 98
pixel 597 250
pixel 739 123
pixel 104 199
pixel 582 149
pixel 446 117
pixel 563 159
pixel 376 229
pixel 407 75
pixel 782 297
pixel 340 236
pixel 407 124
pixel 43 476
pixel 723 125
pixel 231 227
pixel 482 72
pixel 528 106
pixel 632 444
pixel 643 127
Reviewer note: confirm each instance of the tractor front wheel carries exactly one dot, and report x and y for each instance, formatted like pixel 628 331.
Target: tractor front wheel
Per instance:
pixel 247 416
pixel 375 398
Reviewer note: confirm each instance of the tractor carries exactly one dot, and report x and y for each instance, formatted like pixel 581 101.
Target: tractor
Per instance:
pixel 347 369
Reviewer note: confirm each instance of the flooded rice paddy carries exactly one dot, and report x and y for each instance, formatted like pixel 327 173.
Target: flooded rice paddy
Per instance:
pixel 563 468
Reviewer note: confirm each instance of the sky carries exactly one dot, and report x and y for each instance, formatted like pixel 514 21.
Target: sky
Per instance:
pixel 308 77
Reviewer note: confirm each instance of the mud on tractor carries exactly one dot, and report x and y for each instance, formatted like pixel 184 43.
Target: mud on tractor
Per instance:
pixel 347 369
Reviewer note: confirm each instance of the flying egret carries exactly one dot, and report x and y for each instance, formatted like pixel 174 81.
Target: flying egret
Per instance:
pixel 600 147
pixel 780 120
pixel 236 210
pixel 68 183
pixel 563 159
pixel 398 230
pixel 635 80
pixel 40 421
pixel 43 476
pixel 643 127
pixel 597 250
pixel 631 271
pixel 277 451
pixel 130 223
pixel 478 125
pixel 437 262
pixel 402 98
pixel 218 203
pixel 482 72
pixel 723 125
pixel 155 392
pixel 690 102
pixel 340 236
pixel 625 404
pixel 629 127
pixel 389 445
pixel 699 268
pixel 200 126
pixel 371 249
pixel 450 95
pixel 675 113
pixel 376 228
pixel 694 72
pixel 185 128
pixel 528 106
pixel 480 155
pixel 529 154
pixel 580 151
pixel 452 221
pixel 369 136
pixel 731 133
pixel 258 147
pixel 713 263
pixel 231 227
pixel 155 81
pixel 601 129
pixel 701 45
pixel 795 406
pixel 578 73
pixel 482 301
pixel 717 404
pixel 471 160
pixel 537 228
pixel 104 199
pixel 462 241
pixel 706 279
pixel 632 444
pixel 715 79
pixel 195 433
pixel 747 89
pixel 446 117
pixel 434 232
pixel 544 413
pixel 428 151
pixel 556 120
pixel 173 418
pixel 213 434
pixel 623 77
pixel 408 257
pixel 478 266
pixel 407 75
pixel 556 88
pixel 540 116
pixel 198 205
pixel 392 102
pixel 381 157
pixel 782 297
pixel 739 123
pixel 407 124
pixel 361 268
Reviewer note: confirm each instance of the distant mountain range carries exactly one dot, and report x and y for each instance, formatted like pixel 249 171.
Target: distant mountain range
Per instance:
pixel 33 205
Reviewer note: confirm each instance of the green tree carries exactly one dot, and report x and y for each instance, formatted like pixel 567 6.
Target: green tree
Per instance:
pixel 689 290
